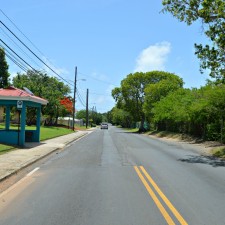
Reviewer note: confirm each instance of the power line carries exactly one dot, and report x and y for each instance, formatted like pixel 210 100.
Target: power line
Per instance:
pixel 17 54
pixel 33 53
pixel 14 59
pixel 100 94
pixel 98 79
pixel 80 98
pixel 19 47
pixel 21 32
pixel 43 55
pixel 19 62
pixel 16 62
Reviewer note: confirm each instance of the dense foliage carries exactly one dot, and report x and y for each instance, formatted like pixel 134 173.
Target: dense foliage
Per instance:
pixel 159 98
pixel 121 117
pixel 4 74
pixel 212 16
pixel 93 116
pixel 138 91
pixel 46 87
pixel 200 112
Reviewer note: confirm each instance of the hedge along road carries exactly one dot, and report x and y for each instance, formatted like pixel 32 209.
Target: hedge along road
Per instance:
pixel 114 177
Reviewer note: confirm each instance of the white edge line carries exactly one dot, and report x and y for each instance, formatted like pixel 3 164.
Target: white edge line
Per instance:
pixel 19 182
pixel 33 171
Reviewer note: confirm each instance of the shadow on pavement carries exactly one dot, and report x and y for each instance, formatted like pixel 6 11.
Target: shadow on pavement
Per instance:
pixel 32 144
pixel 209 160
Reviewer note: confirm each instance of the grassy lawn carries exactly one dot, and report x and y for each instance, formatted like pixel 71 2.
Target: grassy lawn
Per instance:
pixel 46 133
pixel 219 152
pixel 81 127
pixel 12 127
pixel 5 148
pixel 52 132
pixel 132 130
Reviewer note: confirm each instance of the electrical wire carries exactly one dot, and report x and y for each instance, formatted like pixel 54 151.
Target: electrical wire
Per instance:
pixel 16 60
pixel 21 50
pixel 80 98
pixel 99 94
pixel 17 55
pixel 97 79
pixel 22 32
pixel 34 53
pixel 28 39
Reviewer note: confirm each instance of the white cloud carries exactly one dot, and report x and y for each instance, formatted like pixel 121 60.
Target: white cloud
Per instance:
pixel 12 75
pixel 110 88
pixel 100 77
pixel 102 100
pixel 60 71
pixel 153 57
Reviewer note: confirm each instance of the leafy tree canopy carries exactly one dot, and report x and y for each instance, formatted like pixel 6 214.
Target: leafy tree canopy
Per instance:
pixel 131 95
pixel 4 75
pixel 212 15
pixel 195 111
pixel 46 87
pixel 121 117
pixel 81 114
pixel 155 91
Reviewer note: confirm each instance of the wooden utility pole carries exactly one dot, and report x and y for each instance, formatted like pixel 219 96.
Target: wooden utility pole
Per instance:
pixel 87 122
pixel 74 97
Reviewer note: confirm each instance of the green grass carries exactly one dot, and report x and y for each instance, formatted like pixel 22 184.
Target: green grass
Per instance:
pixel 46 133
pixel 52 132
pixel 81 127
pixel 6 148
pixel 219 152
pixel 12 126
pixel 132 130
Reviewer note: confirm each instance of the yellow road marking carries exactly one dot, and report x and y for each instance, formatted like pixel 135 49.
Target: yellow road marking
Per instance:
pixel 164 198
pixel 154 197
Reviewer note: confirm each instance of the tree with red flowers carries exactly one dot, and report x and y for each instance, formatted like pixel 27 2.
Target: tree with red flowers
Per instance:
pixel 67 103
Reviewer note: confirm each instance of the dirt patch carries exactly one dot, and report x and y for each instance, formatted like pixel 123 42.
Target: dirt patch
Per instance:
pixel 203 147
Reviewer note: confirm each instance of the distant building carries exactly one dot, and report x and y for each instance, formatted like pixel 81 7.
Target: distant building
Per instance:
pixel 68 121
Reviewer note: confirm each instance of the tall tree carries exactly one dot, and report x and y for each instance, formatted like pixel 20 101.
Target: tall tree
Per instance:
pixel 131 95
pixel 212 15
pixel 4 74
pixel 46 87
pixel 156 91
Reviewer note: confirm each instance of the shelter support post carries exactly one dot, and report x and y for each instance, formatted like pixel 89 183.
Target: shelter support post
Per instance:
pixel 7 118
pixel 38 124
pixel 23 125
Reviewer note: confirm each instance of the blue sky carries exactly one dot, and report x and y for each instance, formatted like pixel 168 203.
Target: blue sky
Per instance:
pixel 106 40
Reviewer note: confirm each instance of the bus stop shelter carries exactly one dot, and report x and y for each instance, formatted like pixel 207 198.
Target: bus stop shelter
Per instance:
pixel 20 99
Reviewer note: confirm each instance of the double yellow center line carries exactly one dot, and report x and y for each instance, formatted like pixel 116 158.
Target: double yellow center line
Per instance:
pixel 142 173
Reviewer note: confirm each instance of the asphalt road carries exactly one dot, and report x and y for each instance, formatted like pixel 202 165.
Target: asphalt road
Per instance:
pixel 111 177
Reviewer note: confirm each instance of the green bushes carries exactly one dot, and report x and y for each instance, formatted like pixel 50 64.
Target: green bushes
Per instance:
pixel 159 98
pixel 199 112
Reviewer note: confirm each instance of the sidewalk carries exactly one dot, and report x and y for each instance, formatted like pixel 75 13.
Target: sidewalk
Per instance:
pixel 16 160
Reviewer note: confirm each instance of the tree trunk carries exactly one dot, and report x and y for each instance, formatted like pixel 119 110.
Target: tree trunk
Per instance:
pixel 142 129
